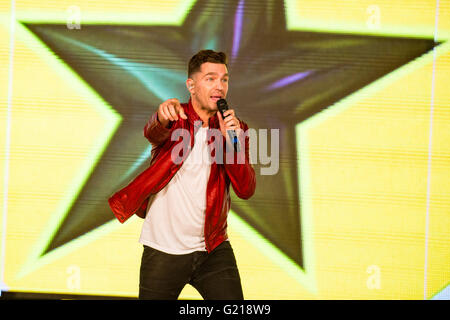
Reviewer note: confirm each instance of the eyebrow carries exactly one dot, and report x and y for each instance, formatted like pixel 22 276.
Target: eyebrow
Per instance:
pixel 214 73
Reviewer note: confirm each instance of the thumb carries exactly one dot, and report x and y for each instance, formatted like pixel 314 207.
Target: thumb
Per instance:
pixel 221 123
pixel 219 116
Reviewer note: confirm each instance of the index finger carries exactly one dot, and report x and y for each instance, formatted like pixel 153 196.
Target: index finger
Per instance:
pixel 174 100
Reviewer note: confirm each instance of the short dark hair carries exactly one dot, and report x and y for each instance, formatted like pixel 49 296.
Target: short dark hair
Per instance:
pixel 205 56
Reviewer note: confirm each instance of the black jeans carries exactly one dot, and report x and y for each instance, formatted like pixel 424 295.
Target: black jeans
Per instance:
pixel 214 275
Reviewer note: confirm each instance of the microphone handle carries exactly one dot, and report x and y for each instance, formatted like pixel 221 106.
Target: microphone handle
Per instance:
pixel 234 140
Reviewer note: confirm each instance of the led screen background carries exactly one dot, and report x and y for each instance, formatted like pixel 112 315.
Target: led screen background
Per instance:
pixel 359 208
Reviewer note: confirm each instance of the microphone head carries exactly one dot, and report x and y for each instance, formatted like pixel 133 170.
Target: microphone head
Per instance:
pixel 222 105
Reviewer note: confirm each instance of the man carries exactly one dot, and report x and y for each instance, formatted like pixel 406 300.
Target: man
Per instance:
pixel 185 204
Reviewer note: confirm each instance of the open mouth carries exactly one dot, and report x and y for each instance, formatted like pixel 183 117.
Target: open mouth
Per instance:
pixel 215 98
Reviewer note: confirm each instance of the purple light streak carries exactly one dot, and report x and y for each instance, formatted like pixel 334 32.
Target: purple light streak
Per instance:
pixel 288 80
pixel 237 28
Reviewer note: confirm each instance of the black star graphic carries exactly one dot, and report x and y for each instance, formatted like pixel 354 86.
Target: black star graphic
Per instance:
pixel 278 79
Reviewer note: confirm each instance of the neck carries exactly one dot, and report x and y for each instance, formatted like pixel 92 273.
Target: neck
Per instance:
pixel 202 112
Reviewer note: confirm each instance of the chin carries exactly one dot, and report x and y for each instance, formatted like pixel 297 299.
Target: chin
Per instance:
pixel 212 106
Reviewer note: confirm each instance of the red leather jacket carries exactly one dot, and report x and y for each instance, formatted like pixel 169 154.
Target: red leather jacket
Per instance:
pixel 133 199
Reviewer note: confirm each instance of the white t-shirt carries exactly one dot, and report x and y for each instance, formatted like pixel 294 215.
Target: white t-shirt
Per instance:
pixel 176 215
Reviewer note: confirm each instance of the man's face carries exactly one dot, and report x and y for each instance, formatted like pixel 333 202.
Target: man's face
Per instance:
pixel 210 85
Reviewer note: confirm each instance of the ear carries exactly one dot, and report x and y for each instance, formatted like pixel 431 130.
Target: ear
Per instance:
pixel 190 85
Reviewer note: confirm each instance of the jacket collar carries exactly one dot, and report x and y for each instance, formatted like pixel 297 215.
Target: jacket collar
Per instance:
pixel 193 116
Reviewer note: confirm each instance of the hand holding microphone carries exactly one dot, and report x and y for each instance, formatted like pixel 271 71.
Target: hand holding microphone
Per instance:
pixel 228 123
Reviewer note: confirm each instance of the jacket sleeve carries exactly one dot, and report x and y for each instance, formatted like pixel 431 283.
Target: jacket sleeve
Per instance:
pixel 239 170
pixel 156 133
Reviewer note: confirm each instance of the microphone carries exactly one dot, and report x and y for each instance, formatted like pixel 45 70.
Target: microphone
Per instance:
pixel 223 106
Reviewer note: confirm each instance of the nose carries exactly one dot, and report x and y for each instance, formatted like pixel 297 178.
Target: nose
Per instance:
pixel 220 85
